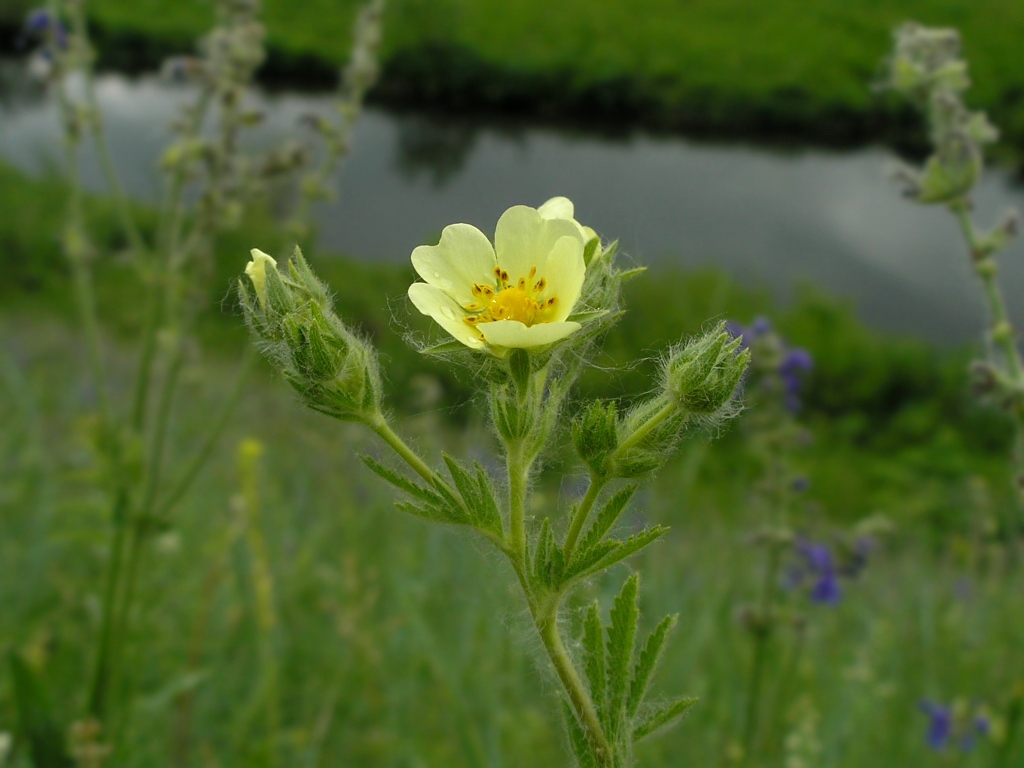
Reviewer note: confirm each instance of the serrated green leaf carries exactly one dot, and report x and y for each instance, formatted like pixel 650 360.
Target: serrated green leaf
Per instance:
pixel 578 739
pixel 37 723
pixel 610 512
pixel 434 514
pixel 490 516
pixel 661 716
pixel 620 551
pixel 644 669
pixel 466 485
pixel 410 487
pixel 585 559
pixel 621 638
pixel 593 659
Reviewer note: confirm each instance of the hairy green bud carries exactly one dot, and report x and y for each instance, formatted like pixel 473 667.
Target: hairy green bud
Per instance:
pixel 595 434
pixel 333 369
pixel 702 376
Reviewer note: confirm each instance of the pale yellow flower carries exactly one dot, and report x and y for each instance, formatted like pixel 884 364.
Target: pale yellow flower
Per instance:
pixel 257 272
pixel 517 294
pixel 562 208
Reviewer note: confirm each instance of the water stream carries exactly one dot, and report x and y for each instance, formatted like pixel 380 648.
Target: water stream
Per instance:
pixel 769 217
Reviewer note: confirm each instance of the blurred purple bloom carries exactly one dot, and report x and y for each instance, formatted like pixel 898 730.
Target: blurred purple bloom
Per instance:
pixel 40 23
pixel 940 724
pixel 801 483
pixel 794 365
pixel 819 562
pixel 943 729
pixel 760 327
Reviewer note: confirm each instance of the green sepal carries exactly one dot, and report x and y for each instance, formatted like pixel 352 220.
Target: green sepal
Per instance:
pixel 660 716
pixel 36 720
pixel 445 348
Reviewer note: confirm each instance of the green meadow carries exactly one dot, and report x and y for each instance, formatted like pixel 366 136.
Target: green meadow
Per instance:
pixel 319 626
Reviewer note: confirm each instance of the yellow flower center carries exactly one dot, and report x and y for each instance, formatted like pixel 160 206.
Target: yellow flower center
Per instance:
pixel 519 301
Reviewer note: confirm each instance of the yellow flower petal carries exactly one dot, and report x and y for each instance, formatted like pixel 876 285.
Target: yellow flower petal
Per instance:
pixel 463 257
pixel 523 239
pixel 557 208
pixel 564 271
pixel 563 208
pixel 512 334
pixel 436 303
pixel 257 272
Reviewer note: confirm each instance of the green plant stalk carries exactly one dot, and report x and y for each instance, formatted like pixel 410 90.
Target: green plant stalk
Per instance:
pixel 646 428
pixel 597 483
pixel 208 442
pixel 518 469
pixel 379 424
pixel 761 638
pixel 171 218
pixel 99 690
pixel 80 30
pixel 545 616
pixel 583 705
pixel 993 294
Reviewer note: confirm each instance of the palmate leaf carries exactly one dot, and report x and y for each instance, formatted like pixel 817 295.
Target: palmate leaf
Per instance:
pixel 649 657
pixel 625 614
pixel 607 553
pixel 661 716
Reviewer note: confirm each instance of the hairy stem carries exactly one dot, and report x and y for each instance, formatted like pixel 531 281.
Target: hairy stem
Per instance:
pixel 583 512
pixel 582 704
pixel 645 429
pixel 379 425
pixel 517 481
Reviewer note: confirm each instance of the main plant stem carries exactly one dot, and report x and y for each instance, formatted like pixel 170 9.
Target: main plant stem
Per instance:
pixel 761 637
pixel 582 704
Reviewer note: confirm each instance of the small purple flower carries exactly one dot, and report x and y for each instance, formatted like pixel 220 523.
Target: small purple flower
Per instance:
pixel 794 365
pixel 819 562
pixel 800 483
pixel 945 729
pixel 760 327
pixel 940 725
pixel 40 23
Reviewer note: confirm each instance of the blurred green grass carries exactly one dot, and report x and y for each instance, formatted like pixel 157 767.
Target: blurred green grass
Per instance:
pixel 753 68
pixel 399 644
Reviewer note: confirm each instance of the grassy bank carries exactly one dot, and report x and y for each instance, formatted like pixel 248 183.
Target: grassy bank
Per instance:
pixel 787 69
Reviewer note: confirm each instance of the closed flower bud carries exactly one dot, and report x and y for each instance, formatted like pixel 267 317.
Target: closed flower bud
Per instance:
pixel 334 370
pixel 702 376
pixel 595 435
